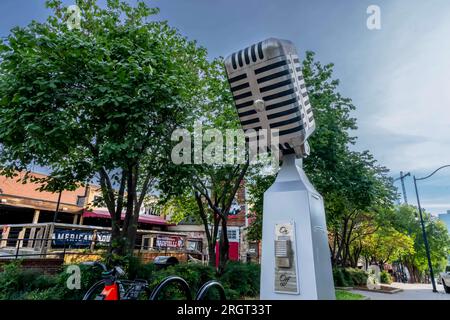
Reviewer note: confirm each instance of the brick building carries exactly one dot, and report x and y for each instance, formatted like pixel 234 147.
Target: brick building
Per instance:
pixel 24 204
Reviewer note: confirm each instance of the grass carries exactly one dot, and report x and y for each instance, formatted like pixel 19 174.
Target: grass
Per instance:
pixel 346 295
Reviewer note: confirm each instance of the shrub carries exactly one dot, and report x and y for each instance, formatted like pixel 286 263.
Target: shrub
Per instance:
pixel 46 294
pixel 136 269
pixel 10 281
pixel 89 275
pixel 358 276
pixel 16 283
pixel 342 278
pixel 349 277
pixel 194 274
pixel 385 277
pixel 243 278
pixel 239 280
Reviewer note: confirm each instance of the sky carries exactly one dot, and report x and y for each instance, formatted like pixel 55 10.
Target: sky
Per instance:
pixel 398 76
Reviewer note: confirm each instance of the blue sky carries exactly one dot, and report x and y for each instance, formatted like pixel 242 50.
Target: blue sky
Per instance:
pixel 398 76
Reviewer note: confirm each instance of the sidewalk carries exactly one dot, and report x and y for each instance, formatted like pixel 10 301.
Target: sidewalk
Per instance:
pixel 416 291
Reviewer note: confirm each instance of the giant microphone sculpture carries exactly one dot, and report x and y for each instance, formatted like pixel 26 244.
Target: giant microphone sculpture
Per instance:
pixel 270 93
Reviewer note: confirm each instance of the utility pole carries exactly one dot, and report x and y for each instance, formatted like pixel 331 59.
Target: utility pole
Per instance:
pixel 402 179
pixel 425 239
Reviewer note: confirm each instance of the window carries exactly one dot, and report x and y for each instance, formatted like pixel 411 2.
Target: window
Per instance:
pixel 195 245
pixel 232 232
pixel 80 201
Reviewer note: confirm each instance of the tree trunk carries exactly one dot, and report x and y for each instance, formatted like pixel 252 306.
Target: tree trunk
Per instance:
pixel 341 243
pixel 212 254
pixel 224 248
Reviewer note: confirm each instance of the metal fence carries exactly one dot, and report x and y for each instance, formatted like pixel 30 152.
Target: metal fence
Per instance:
pixel 41 240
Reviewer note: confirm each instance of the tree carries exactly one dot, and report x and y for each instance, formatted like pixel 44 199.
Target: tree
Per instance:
pixel 386 245
pixel 257 185
pixel 355 188
pixel 99 102
pixel 213 180
pixel 406 221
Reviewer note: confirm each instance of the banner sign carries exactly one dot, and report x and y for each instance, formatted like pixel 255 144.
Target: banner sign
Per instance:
pixel 169 241
pixel 79 238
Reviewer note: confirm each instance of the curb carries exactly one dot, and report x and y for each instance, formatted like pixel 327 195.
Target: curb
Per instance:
pixel 379 291
pixel 344 288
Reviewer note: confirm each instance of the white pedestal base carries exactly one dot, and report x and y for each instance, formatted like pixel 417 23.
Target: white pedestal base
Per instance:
pixel 292 202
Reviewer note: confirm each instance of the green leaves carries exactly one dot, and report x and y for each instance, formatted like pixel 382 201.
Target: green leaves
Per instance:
pixel 118 88
pixel 99 101
pixel 406 220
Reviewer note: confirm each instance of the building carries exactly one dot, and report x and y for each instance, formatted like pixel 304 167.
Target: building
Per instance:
pixel 24 204
pixel 445 217
pixel 27 215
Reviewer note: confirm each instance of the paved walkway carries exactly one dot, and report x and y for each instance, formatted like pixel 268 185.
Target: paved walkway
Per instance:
pixel 416 291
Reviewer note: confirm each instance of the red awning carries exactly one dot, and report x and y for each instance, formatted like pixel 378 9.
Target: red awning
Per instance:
pixel 148 219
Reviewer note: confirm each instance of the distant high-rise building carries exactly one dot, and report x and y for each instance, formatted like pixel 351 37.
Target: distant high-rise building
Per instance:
pixel 445 217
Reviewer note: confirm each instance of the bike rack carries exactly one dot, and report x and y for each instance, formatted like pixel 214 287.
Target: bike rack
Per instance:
pixel 169 280
pixel 208 285
pixel 186 289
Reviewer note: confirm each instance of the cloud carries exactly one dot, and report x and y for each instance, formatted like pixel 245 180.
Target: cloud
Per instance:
pixel 409 119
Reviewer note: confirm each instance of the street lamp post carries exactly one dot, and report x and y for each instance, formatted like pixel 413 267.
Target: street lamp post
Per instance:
pixel 425 239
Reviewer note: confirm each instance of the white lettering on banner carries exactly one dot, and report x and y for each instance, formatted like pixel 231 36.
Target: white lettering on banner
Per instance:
pixel 169 242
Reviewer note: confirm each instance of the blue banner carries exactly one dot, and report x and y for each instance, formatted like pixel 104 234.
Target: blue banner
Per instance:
pixel 79 238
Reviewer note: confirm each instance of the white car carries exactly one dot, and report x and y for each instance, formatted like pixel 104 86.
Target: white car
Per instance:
pixel 445 279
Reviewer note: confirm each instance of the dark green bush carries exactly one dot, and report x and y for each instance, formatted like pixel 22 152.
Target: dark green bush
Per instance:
pixel 17 283
pixel 358 276
pixel 239 280
pixel 194 274
pixel 243 278
pixel 342 278
pixel 385 277
pixel 89 276
pixel 349 277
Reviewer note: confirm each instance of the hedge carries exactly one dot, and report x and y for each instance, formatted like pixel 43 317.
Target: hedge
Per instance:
pixel 239 280
pixel 349 277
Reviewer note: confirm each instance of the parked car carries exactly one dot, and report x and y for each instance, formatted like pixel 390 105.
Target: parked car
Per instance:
pixel 445 279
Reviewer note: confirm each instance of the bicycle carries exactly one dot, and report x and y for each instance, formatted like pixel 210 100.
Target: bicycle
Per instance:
pixel 111 287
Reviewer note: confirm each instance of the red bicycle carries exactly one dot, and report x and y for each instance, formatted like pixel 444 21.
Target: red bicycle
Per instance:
pixel 111 287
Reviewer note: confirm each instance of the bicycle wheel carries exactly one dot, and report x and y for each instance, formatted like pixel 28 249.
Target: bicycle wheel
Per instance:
pixel 181 287
pixel 94 292
pixel 205 293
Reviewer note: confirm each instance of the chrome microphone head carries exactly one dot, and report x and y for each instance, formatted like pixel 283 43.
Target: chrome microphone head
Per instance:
pixel 270 93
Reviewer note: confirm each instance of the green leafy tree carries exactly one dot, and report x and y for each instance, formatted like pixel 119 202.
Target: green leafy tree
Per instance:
pixel 355 188
pixel 98 102
pixel 387 245
pixel 406 220
pixel 256 187
pixel 211 185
